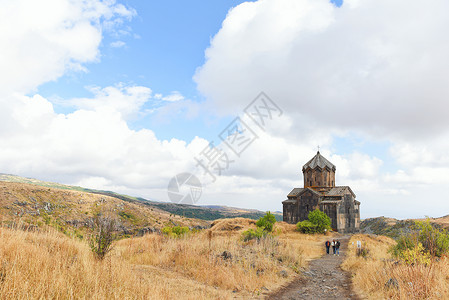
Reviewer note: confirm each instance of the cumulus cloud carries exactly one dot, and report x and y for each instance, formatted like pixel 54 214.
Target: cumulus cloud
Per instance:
pixel 375 68
pixel 89 146
pixel 93 145
pixel 378 62
pixel 40 40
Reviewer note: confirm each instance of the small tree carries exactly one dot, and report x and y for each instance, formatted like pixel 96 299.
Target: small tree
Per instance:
pixel 264 227
pixel 100 241
pixel 320 219
pixel 318 222
pixel 266 222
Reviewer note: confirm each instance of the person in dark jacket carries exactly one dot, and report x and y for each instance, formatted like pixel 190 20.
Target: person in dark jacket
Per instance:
pixel 328 245
pixel 337 247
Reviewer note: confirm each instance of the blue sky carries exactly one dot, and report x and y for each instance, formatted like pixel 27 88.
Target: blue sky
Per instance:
pixel 120 96
pixel 164 45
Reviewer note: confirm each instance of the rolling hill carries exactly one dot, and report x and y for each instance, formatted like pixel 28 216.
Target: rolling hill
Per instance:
pixel 69 208
pixel 394 228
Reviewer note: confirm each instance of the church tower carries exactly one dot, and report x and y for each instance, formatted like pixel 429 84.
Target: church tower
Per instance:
pixel 319 173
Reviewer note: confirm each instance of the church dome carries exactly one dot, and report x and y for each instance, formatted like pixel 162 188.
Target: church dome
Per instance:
pixel 318 161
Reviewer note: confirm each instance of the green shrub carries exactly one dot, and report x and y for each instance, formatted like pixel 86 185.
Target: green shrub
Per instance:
pixel 320 219
pixel 266 222
pixel 251 234
pixel 307 227
pixel 434 240
pixel 419 246
pixel 318 222
pixel 175 231
pixel 405 242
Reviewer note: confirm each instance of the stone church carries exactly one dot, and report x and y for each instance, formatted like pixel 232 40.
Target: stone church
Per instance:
pixel 320 192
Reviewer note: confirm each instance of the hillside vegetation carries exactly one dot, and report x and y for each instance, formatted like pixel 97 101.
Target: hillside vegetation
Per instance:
pixel 71 211
pixel 207 213
pixel 377 275
pixel 211 264
pixel 396 228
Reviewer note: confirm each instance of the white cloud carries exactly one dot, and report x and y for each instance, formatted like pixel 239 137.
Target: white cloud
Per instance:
pixel 93 145
pixel 40 40
pixel 375 68
pixel 173 97
pixel 377 63
pixel 117 44
pixel 125 100
pixel 88 146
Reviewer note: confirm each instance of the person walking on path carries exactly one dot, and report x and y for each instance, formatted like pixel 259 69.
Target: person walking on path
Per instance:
pixel 333 246
pixel 328 245
pixel 337 247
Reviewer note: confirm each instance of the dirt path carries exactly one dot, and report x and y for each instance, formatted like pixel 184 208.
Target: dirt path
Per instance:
pixel 324 279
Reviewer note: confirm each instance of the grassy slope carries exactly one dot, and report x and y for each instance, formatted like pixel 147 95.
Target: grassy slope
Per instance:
pixel 188 211
pixel 70 211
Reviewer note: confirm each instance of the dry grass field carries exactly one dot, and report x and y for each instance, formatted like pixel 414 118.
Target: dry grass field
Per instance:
pixel 47 264
pixel 371 274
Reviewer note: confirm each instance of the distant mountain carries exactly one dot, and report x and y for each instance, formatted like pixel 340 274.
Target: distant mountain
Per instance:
pixel 212 212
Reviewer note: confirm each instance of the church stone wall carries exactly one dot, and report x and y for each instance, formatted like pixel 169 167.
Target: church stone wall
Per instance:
pixel 331 211
pixel 308 201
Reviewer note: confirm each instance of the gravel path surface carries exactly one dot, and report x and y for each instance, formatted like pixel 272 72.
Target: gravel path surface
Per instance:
pixel 324 279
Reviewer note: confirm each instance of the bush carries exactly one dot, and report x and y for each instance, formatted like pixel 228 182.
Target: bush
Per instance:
pixel 251 234
pixel 405 242
pixel 100 241
pixel 416 255
pixel 266 222
pixel 307 227
pixel 434 240
pixel 264 227
pixel 320 219
pixel 176 231
pixel 419 246
pixel 318 222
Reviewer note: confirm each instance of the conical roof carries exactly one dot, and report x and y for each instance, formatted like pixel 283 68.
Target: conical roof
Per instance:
pixel 319 161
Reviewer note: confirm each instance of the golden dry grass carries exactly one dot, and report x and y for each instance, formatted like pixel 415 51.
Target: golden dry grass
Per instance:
pixel 371 274
pixel 253 265
pixel 48 264
pixel 236 224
